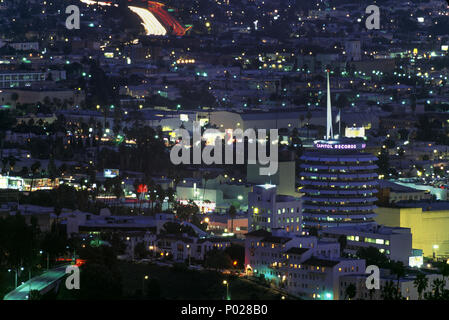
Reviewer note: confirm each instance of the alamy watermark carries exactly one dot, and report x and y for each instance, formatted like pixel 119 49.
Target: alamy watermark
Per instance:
pixel 373 20
pixel 189 151
pixel 73 280
pixel 73 21
pixel 373 280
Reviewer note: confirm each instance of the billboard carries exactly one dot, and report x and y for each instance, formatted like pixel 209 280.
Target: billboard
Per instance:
pixel 111 173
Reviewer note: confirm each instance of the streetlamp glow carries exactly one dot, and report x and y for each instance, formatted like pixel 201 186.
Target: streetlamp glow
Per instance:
pixel 226 283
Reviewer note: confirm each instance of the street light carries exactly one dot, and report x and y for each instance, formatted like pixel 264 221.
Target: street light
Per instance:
pixel 143 283
pixel 226 283
pixel 435 247
pixel 16 271
pixel 48 258
pixel 188 247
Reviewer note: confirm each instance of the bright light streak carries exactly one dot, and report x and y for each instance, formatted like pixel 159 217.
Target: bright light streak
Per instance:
pixel 150 23
pixel 100 3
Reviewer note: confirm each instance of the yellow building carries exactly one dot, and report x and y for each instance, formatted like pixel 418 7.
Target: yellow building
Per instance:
pixel 429 224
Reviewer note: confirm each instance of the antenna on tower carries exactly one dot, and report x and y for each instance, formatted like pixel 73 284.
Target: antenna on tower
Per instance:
pixel 329 129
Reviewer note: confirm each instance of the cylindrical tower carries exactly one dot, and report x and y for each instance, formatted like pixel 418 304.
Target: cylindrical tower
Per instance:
pixel 339 182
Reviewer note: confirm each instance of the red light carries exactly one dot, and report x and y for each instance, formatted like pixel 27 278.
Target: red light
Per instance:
pixel 80 262
pixel 142 188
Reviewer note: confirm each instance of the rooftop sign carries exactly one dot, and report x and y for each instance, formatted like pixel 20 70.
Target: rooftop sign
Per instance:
pixel 338 145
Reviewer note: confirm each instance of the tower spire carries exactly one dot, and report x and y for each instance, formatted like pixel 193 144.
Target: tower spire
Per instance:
pixel 329 129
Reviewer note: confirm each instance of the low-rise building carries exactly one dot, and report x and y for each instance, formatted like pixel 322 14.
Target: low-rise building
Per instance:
pixel 301 266
pixel 269 211
pixel 395 242
pixel 427 220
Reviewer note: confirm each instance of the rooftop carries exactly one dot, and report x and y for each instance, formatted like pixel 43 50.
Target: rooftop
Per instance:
pixel 320 262
pixel 429 205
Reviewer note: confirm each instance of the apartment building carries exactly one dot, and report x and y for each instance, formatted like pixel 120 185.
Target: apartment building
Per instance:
pixel 395 242
pixel 301 266
pixel 270 211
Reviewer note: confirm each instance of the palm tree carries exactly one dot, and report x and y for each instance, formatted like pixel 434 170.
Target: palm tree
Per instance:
pixel 399 270
pixel 444 270
pixel 371 293
pixel 161 194
pixel 12 163
pixel 117 191
pixel 170 193
pixel 5 162
pixel 153 198
pixel 421 283
pixel 350 291
pixel 34 168
pixel 389 292
pixel 437 290
pixel 232 213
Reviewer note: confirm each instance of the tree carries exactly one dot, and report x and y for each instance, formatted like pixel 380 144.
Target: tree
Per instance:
pixel 236 253
pixel 5 163
pixel 343 242
pixel 390 292
pixel 153 197
pixel 218 260
pixel 185 212
pixel 350 291
pixel 34 169
pixel 99 282
pixel 170 194
pixel 444 270
pixel 153 291
pixel 12 163
pixel 373 256
pixel 51 169
pixel 232 213
pixel 383 162
pixel 438 291
pixel 403 133
pixel 421 283
pixel 398 269
pixel 140 250
pixel 18 241
pixel 176 228
pixel 54 242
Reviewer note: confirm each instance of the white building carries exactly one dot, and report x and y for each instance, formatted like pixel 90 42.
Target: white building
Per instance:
pixel 300 266
pixel 270 211
pixel 396 243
